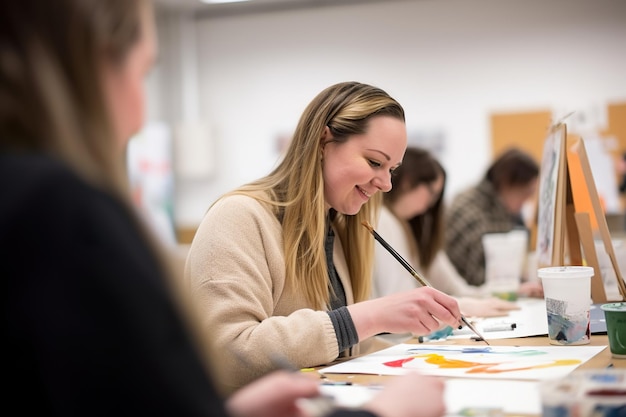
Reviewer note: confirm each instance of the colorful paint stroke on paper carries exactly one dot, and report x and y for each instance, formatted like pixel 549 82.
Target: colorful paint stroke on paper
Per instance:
pixel 506 362
pixel 484 360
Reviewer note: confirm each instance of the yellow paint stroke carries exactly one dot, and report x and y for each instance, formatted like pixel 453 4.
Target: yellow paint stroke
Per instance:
pixel 487 368
pixel 443 362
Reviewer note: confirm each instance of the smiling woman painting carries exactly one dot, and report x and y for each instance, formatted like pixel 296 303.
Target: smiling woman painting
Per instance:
pixel 283 265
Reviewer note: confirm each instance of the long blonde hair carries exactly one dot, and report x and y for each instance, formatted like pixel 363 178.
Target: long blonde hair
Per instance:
pixel 295 191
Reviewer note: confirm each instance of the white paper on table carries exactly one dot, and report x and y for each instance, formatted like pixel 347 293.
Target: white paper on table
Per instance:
pixel 512 397
pixel 350 395
pixel 530 320
pixel 471 361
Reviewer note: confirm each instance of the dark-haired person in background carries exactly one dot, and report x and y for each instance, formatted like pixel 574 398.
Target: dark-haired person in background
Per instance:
pixel 494 205
pixel 411 221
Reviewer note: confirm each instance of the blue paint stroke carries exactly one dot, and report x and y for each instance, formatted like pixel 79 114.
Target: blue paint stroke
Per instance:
pixel 486 349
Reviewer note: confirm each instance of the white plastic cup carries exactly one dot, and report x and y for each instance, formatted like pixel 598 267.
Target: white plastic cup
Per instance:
pixel 505 254
pixel 567 291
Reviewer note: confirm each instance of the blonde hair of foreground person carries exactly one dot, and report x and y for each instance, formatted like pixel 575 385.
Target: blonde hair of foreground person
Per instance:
pixel 66 106
pixel 75 113
pixel 259 262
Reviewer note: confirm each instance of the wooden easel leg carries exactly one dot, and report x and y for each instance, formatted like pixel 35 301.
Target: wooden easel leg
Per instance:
pixel 572 236
pixel 583 222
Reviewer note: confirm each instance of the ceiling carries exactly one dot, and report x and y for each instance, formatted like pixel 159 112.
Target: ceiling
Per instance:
pixel 245 7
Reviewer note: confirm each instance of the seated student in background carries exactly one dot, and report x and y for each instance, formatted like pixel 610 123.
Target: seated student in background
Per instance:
pixel 283 265
pixel 411 221
pixel 94 319
pixel 492 206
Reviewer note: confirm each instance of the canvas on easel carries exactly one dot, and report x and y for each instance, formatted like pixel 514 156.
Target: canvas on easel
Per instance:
pixel 550 204
pixel 564 220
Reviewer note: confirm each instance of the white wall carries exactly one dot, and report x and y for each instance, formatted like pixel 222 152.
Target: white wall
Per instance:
pixel 450 63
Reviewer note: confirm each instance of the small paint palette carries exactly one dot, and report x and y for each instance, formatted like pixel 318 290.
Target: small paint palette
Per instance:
pixel 586 394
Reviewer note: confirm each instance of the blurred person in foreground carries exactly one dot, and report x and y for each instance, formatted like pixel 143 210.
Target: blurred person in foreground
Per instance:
pixel 96 322
pixel 411 221
pixel 494 205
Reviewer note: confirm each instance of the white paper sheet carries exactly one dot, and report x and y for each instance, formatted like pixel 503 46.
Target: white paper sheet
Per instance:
pixel 511 397
pixel 530 320
pixel 470 361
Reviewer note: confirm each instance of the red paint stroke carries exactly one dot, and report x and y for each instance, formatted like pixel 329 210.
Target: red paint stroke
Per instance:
pixel 398 363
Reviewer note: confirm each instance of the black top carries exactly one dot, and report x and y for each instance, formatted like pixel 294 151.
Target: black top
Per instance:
pixel 89 325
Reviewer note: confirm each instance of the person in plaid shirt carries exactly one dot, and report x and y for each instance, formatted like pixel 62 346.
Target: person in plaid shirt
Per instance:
pixel 494 205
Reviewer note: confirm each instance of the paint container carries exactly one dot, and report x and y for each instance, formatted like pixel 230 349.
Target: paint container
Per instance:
pixel 505 254
pixel 615 316
pixel 585 394
pixel 567 291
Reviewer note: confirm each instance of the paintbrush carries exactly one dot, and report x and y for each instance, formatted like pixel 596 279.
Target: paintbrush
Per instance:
pixel 413 272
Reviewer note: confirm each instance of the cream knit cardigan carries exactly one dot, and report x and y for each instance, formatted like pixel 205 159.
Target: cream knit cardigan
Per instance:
pixel 237 273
